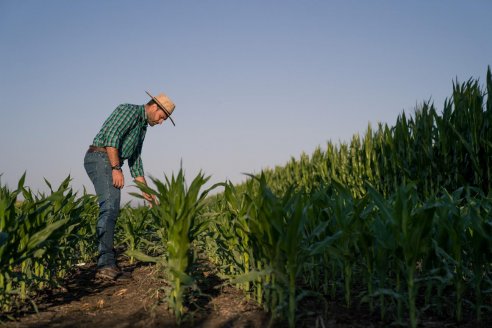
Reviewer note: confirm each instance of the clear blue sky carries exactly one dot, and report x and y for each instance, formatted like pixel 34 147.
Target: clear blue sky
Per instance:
pixel 255 82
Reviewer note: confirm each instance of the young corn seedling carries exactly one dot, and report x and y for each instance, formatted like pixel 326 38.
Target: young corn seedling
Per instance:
pixel 135 224
pixel 176 210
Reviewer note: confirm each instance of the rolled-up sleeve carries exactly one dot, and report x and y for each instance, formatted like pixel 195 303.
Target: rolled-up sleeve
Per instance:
pixel 136 166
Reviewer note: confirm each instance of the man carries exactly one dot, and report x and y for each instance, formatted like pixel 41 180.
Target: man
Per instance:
pixel 120 138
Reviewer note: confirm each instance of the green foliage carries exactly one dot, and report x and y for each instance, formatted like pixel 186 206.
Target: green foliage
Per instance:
pixel 269 240
pixel 433 150
pixel 176 216
pixel 404 212
pixel 404 208
pixel 135 229
pixel 41 238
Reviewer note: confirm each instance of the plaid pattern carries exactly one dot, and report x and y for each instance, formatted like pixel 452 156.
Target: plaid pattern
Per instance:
pixel 125 130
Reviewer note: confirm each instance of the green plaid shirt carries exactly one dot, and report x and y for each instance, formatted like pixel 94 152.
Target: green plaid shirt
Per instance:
pixel 125 130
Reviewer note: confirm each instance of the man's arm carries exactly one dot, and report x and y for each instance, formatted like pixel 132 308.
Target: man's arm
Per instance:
pixel 114 160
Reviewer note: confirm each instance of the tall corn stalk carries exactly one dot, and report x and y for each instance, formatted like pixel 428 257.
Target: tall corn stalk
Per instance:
pixel 284 238
pixel 411 223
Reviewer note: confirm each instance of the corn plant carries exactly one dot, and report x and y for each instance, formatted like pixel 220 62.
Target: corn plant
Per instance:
pixel 39 238
pixel 411 223
pixel 345 215
pixel 479 239
pixel 450 244
pixel 176 210
pixel 283 239
pixel 231 232
pixel 134 228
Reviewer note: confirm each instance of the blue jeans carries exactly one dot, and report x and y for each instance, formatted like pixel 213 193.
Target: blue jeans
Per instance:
pixel 99 170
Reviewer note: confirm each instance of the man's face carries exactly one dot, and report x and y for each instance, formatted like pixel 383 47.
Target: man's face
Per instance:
pixel 156 115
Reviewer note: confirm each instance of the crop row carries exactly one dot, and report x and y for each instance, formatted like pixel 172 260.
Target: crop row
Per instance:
pixel 400 219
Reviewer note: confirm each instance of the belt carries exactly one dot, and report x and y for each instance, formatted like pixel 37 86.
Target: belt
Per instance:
pixel 95 149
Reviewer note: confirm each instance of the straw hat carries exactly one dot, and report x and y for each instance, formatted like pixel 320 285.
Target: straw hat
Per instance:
pixel 164 103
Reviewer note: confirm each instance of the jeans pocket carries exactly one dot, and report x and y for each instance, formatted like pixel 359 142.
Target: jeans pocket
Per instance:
pixel 96 165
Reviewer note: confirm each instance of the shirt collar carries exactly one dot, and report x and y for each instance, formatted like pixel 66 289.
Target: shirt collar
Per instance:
pixel 143 114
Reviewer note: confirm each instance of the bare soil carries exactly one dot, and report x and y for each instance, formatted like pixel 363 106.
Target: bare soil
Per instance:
pixel 137 302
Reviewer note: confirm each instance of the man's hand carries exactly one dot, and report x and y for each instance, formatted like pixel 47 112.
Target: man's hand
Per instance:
pixel 118 179
pixel 114 159
pixel 150 198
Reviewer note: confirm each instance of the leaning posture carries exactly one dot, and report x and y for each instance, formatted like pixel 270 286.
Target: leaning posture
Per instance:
pixel 121 138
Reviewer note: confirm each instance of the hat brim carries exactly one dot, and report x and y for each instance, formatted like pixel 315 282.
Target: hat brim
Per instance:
pixel 162 107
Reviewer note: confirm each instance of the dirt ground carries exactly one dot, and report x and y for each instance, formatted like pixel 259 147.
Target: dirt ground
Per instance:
pixel 85 302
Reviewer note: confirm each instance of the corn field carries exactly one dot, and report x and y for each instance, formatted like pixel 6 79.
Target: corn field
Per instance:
pixel 42 238
pixel 399 220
